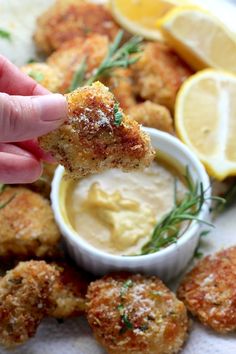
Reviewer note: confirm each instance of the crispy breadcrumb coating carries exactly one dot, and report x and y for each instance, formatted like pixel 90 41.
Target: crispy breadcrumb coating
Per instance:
pixel 92 140
pixel 27 224
pixel 70 56
pixel 135 314
pixel 159 73
pixel 69 291
pixel 67 19
pixel 121 84
pixel 209 291
pixel 47 76
pixel 24 300
pixel 34 290
pixel 152 115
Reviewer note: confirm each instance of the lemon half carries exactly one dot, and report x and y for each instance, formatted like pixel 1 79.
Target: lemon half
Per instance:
pixel 205 120
pixel 199 38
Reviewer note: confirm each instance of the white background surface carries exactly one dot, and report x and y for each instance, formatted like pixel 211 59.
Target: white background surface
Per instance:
pixel 74 336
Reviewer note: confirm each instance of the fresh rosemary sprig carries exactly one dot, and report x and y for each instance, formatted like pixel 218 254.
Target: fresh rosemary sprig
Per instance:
pixel 79 76
pixel 169 229
pixel 5 34
pixel 117 57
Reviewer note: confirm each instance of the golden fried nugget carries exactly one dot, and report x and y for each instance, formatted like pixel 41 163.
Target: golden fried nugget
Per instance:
pixel 34 290
pixel 68 19
pixel 159 73
pixel 24 300
pixel 121 85
pixel 152 115
pixel 209 291
pixel 97 135
pixel 69 291
pixel 136 314
pixel 27 228
pixel 47 76
pixel 70 56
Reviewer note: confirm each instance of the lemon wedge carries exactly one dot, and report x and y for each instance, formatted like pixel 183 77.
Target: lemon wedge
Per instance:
pixel 140 16
pixel 199 38
pixel 205 120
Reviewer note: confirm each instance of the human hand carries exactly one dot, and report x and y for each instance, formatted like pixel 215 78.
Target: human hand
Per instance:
pixel 27 111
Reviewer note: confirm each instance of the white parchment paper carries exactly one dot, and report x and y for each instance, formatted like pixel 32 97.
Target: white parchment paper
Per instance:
pixel 74 336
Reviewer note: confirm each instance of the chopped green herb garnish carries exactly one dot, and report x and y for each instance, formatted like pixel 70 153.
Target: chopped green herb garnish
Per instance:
pixel 169 229
pixel 79 76
pixel 5 34
pixel 118 115
pixel 36 75
pixel 127 284
pixel 126 321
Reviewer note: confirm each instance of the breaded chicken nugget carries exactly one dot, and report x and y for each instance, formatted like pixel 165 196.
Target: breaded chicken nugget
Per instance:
pixel 34 290
pixel 159 73
pixel 24 293
pixel 152 115
pixel 134 314
pixel 70 56
pixel 209 291
pixel 97 135
pixel 68 19
pixel 27 224
pixel 47 76
pixel 121 85
pixel 68 293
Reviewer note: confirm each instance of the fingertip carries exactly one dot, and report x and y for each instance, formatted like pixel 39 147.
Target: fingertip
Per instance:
pixel 18 166
pixel 53 108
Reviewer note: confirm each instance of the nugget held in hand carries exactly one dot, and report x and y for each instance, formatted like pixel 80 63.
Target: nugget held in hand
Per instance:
pixel 209 291
pixel 28 228
pixel 24 293
pixel 135 314
pixel 97 135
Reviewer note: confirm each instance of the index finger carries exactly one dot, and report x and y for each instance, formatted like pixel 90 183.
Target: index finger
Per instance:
pixel 14 82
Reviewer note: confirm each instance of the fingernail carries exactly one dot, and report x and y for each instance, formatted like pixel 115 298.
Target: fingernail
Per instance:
pixel 52 107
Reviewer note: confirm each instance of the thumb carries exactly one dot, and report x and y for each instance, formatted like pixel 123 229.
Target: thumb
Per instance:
pixel 27 117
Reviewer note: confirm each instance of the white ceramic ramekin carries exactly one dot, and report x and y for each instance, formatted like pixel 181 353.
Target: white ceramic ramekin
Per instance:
pixel 167 263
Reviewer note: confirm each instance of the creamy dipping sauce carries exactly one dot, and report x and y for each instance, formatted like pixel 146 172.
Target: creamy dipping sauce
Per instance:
pixel 116 211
